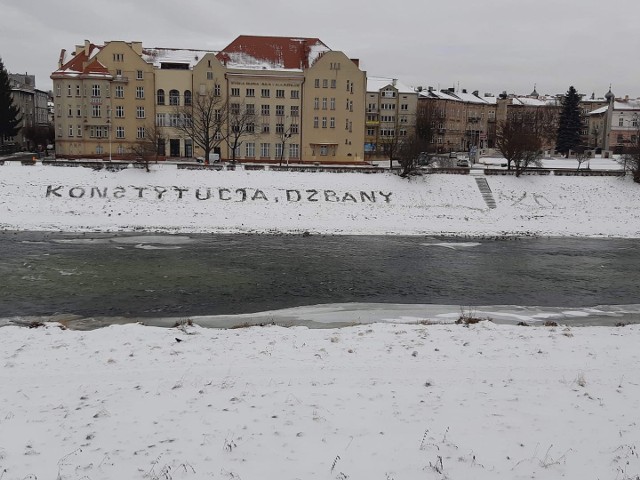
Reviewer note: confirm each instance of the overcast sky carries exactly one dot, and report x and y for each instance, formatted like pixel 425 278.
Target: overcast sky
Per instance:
pixel 485 45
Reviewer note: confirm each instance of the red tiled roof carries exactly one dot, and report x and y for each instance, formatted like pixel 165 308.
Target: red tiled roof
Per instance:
pixel 83 64
pixel 286 52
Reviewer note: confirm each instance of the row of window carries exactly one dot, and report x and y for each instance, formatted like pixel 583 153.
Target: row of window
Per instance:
pixel 264 93
pixel 265 110
pixel 96 111
pixel 332 122
pixel 96 91
pixel 386 132
pixel 265 150
pixel 174 97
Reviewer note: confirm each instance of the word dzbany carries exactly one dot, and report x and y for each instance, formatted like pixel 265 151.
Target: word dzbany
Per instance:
pixel 217 193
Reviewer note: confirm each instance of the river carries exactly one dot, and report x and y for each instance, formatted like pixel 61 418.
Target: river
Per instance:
pixel 90 280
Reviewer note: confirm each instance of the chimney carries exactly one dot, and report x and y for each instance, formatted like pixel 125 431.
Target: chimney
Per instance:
pixel 61 61
pixel 87 47
pixel 476 93
pixel 394 81
pixel 137 47
pixel 356 61
pixel 464 90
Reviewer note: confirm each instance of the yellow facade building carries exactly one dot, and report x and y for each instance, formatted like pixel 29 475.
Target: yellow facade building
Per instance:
pixel 304 102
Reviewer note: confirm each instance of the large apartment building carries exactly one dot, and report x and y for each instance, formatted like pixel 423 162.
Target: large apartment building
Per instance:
pixel 305 101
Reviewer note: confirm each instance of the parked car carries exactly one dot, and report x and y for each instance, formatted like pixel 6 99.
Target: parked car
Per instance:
pixel 463 163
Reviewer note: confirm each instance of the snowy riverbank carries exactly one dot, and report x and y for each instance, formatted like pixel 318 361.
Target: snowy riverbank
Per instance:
pixel 169 199
pixel 389 401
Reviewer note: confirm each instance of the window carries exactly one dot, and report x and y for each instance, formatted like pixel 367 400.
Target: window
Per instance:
pixel 95 111
pixel 264 110
pixel 234 109
pixel 316 83
pixel 57 90
pixel 333 83
pixel 174 119
pixel 235 92
pixel 371 132
pixel 118 72
pixel 69 90
pixel 265 93
pixel 332 122
pixel 404 119
pixel 119 111
pixel 250 149
pixel 295 110
pixel 324 122
pixel 209 75
pixel 120 150
pixel 295 94
pixel 77 90
pixel 139 92
pixel 160 120
pixel 99 150
pixel 634 122
pixel 216 90
pixel 405 106
pixel 160 97
pixel 316 103
pixel 333 103
pixel 95 90
pixel 250 109
pixel 265 128
pixel 79 131
pixel 280 110
pixel 250 127
pixel 325 83
pixel 174 97
pixel 217 115
pixel 119 91
pixel 70 112
pixel 139 112
pixel 279 150
pixel 294 129
pixel 99 132
pixel 140 133
pixel 118 57
pixel 264 150
pixel 279 93
pixel 621 121
pixel 187 98
pixel 71 130
pixel 294 150
pixel 324 150
pixel 620 138
pixel 387 132
pixel 315 122
pixel 139 75
pixel 402 132
pixel 324 103
pixel 387 106
pixel 279 127
pixel 119 132
pixel 251 92
pixel 387 118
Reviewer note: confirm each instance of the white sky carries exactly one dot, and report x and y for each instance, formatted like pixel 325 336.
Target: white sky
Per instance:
pixel 491 46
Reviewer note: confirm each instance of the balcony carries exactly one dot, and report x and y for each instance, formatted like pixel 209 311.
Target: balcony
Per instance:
pixel 121 79
pixel 372 123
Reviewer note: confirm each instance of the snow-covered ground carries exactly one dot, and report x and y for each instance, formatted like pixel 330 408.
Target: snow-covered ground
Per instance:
pixel 174 200
pixel 387 401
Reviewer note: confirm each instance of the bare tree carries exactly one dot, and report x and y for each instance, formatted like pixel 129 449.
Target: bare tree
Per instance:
pixel 428 120
pixel 203 120
pixel 582 155
pixel 288 129
pixel 146 148
pixel 631 158
pixel 519 140
pixel 240 123
pixel 412 153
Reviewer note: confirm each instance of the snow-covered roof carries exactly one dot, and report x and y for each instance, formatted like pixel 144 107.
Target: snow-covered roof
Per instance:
pixel 439 94
pixel 83 64
pixel 272 53
pixel 375 84
pixel 158 56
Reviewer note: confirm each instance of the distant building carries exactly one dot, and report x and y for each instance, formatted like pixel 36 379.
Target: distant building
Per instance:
pixel 308 99
pixel 390 115
pixel 615 126
pixel 32 104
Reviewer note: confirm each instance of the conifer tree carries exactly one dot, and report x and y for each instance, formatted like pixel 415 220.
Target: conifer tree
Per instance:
pixel 569 123
pixel 9 114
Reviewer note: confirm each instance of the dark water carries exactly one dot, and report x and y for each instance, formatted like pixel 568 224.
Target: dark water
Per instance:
pixel 164 276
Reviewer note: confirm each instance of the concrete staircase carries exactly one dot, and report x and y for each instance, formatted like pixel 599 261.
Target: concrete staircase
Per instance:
pixel 483 186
